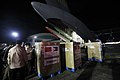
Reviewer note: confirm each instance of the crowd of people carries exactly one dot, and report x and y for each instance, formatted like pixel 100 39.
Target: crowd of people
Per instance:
pixel 17 61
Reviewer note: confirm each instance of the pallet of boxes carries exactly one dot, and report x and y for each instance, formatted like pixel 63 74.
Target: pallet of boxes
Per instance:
pixel 73 55
pixel 94 51
pixel 48 58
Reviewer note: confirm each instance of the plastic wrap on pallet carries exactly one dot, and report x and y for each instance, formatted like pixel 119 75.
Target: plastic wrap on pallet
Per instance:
pixel 94 51
pixel 73 55
pixel 48 58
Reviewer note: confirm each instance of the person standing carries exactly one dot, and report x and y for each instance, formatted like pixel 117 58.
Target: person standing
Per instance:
pixel 6 67
pixel 17 60
pixel 31 58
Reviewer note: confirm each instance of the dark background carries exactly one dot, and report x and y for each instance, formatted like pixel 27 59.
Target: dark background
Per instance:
pixel 100 16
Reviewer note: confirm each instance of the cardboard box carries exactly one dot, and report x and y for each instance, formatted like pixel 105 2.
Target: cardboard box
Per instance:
pixel 48 58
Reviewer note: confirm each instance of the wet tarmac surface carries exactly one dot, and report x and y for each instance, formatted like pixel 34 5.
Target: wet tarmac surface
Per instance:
pixel 108 70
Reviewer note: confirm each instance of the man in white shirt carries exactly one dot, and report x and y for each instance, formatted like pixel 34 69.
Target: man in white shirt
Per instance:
pixel 17 60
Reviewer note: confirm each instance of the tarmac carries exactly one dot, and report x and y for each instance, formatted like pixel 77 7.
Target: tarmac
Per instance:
pixel 107 70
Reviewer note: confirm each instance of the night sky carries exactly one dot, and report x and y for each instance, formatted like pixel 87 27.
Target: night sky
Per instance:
pixel 98 16
pixel 19 16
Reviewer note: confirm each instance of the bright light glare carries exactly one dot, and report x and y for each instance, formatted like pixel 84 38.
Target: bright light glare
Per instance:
pixel 14 34
pixel 35 37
